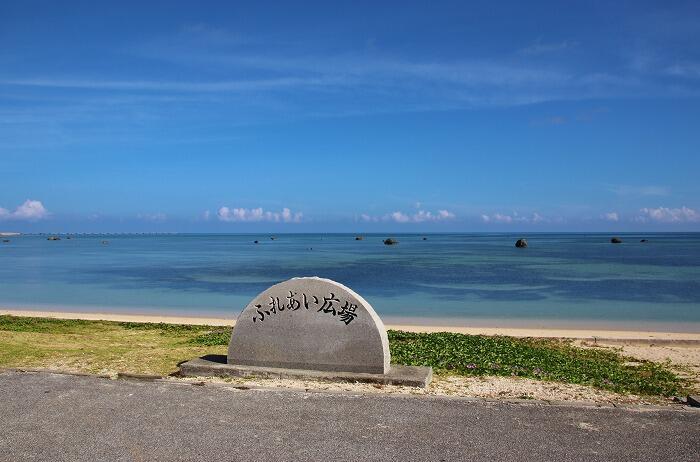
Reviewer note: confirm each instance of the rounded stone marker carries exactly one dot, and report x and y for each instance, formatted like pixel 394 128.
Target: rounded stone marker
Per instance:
pixel 310 323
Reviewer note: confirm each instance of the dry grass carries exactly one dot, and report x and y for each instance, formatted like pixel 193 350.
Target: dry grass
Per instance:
pixel 105 348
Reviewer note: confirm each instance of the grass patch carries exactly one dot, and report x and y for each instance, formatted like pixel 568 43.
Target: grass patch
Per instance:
pixel 176 329
pixel 105 346
pixel 26 324
pixel 100 346
pixel 544 359
pixel 212 338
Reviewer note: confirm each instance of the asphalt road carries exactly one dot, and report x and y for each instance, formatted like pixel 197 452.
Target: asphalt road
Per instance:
pixel 62 417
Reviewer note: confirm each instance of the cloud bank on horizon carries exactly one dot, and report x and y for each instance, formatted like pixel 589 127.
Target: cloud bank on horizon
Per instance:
pixel 33 211
pixel 257 214
pixel 327 117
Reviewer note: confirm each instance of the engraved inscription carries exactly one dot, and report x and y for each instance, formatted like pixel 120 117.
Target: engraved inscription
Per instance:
pixel 330 304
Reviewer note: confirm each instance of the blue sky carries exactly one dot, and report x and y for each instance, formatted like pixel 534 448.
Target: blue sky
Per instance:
pixel 358 117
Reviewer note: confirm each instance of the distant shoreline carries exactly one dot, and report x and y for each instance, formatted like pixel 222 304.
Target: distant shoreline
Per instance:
pixel 385 233
pixel 583 333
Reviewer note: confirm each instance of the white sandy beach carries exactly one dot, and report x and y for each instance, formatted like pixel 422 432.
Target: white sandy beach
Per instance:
pixel 475 330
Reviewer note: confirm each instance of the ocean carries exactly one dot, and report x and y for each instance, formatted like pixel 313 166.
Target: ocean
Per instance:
pixel 561 280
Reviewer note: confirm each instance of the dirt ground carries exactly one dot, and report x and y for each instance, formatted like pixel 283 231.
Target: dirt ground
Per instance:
pixel 473 387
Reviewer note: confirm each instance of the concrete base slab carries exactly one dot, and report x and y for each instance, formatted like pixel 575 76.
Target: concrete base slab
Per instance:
pixel 215 365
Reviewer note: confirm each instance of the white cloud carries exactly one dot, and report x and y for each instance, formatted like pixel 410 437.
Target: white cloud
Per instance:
pixel 175 86
pixel 368 218
pixel 497 218
pixel 287 215
pixel 30 210
pixel 610 216
pixel 421 216
pixel 685 70
pixel 420 85
pixel 206 215
pixel 669 215
pixel 515 217
pixel 400 217
pixel 258 214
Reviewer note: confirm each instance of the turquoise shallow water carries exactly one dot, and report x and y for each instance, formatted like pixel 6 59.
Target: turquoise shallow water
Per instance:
pixel 559 280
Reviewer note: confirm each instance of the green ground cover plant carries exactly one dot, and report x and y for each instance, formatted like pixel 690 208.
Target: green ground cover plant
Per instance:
pixel 544 359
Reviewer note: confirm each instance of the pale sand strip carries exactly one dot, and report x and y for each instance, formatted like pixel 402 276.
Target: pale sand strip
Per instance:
pixel 121 317
pixel 515 332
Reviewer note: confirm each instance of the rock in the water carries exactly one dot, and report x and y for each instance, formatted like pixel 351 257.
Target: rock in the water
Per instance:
pixel 256 242
pixel 425 238
pixel 521 243
pixel 644 240
pixel 272 238
pixel 5 240
pixel 105 242
pixel 53 238
pixel 359 238
pixel 390 241
pixel 616 240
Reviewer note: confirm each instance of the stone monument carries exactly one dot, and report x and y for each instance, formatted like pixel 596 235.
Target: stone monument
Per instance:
pixel 310 328
pixel 310 323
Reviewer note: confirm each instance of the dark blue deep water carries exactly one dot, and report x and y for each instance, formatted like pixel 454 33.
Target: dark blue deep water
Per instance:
pixel 560 279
